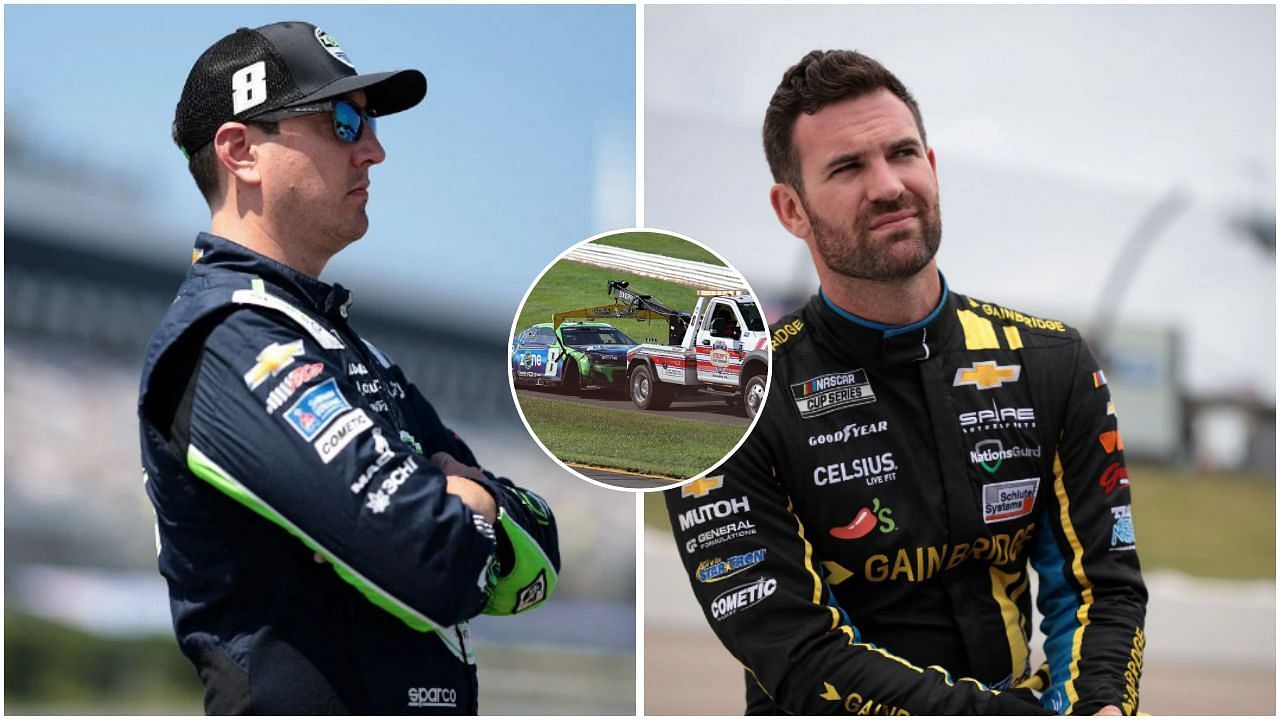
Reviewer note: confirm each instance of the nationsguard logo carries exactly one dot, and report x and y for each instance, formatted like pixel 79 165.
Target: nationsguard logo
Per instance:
pixel 828 393
pixel 991 454
pixel 987 375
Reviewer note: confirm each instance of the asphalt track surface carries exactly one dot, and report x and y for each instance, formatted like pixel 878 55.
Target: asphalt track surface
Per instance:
pixel 703 406
pixel 622 479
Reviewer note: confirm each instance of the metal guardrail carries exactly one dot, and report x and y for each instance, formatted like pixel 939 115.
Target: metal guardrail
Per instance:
pixel 690 273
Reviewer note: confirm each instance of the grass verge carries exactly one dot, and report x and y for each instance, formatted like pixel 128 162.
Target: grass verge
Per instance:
pixel 572 285
pixel 1220 525
pixel 660 244
pixel 643 442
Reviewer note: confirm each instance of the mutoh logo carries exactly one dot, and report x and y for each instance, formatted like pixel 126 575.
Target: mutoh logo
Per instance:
pixel 421 697
pixel 721 509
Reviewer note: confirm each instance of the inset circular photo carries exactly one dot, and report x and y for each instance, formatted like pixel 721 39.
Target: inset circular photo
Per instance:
pixel 639 359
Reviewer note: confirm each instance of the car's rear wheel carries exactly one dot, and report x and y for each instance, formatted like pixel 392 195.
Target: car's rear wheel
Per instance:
pixel 572 383
pixel 753 394
pixel 647 392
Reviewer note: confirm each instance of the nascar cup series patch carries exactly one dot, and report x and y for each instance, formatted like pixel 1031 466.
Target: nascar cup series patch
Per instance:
pixel 828 393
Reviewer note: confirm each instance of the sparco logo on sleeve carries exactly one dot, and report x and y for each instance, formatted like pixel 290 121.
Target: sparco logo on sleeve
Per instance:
pixel 828 393
pixel 1008 500
pixel 711 511
pixel 742 597
pixel 422 697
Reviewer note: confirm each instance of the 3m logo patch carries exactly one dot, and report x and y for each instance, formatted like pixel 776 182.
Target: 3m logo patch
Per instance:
pixel 1008 500
pixel 532 594
pixel 273 358
pixel 988 374
pixel 346 429
pixel 315 409
pixel 828 393
pixel 702 487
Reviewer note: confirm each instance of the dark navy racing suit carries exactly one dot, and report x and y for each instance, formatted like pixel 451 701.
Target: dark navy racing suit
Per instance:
pixel 315 562
pixel 866 550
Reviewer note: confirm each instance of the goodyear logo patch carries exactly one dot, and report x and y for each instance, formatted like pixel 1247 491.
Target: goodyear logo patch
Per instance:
pixel 1008 500
pixel 828 393
pixel 315 409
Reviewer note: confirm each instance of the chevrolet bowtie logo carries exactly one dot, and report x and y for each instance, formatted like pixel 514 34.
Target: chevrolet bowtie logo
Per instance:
pixel 702 486
pixel 271 360
pixel 987 375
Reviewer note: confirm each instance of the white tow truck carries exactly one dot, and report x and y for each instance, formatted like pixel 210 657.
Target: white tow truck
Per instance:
pixel 722 347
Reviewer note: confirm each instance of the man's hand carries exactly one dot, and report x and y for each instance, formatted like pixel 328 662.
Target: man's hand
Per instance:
pixel 460 480
pixel 1109 710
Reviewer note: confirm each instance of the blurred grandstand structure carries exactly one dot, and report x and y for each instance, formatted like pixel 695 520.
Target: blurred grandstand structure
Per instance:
pixel 86 281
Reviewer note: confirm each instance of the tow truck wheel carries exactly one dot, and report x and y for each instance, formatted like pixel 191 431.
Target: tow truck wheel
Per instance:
pixel 753 395
pixel 647 392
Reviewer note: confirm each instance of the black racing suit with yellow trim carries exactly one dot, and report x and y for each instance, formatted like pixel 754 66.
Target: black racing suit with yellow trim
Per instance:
pixel 316 563
pixel 865 551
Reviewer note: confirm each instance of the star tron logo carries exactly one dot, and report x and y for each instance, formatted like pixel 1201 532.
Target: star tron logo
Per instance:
pixel 988 374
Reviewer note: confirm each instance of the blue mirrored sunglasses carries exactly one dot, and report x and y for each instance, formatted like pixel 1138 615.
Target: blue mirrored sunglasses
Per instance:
pixel 349 119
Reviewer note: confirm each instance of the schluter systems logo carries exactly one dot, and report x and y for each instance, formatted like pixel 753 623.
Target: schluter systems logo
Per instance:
pixel 1008 500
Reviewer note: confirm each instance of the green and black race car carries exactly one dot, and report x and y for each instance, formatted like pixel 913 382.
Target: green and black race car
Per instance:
pixel 574 356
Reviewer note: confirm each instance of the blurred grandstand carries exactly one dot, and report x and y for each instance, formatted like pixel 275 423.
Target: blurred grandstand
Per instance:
pixel 87 621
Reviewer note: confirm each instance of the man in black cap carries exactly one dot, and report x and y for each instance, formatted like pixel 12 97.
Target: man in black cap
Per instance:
pixel 324 536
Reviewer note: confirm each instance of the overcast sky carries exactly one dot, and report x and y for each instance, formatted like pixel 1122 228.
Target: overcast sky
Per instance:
pixel 1056 129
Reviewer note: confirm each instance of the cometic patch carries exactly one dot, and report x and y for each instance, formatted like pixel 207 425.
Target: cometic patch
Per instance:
pixel 346 429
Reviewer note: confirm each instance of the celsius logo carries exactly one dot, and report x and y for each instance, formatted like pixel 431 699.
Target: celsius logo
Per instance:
pixel 865 521
pixel 742 597
pixel 874 469
pixel 990 454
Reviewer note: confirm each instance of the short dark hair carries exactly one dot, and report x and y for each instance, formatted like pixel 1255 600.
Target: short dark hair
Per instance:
pixel 203 165
pixel 822 77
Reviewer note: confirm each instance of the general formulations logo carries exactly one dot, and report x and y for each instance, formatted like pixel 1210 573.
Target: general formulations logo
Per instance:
pixel 828 393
